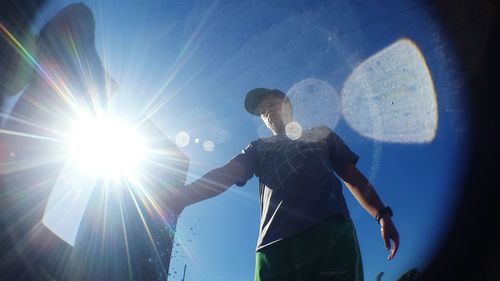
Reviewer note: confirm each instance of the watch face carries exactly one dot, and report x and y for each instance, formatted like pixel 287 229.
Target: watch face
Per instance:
pixel 389 211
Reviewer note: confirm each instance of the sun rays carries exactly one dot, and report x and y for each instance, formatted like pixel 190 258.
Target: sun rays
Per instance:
pixel 97 153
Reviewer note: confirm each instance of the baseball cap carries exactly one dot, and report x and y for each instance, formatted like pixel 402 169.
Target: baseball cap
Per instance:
pixel 255 96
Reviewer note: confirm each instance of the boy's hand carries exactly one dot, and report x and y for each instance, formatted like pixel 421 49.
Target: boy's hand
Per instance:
pixel 389 232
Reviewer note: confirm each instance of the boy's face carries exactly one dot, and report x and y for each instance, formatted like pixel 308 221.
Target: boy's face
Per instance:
pixel 275 113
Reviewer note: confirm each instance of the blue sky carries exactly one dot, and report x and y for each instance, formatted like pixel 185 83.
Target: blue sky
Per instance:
pixel 197 59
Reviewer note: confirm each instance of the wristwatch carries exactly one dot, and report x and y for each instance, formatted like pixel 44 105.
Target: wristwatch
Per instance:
pixel 382 212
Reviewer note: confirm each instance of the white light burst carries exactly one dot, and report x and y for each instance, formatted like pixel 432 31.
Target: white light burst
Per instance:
pixel 106 147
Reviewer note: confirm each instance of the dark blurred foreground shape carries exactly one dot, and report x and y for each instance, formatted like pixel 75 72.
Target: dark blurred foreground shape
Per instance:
pixel 471 248
pixel 15 72
pixel 123 235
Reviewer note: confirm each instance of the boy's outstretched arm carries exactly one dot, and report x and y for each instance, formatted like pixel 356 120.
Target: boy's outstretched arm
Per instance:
pixel 209 185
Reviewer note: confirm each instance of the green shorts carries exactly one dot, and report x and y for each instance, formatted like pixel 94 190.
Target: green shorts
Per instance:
pixel 327 251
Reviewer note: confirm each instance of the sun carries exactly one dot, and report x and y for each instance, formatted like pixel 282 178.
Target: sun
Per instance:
pixel 106 147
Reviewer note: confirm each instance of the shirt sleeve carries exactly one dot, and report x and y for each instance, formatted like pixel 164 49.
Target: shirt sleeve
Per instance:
pixel 340 154
pixel 247 158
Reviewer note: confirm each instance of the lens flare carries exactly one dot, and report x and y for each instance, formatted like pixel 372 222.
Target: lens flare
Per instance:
pixel 208 146
pixel 182 139
pixel 315 103
pixel 293 130
pixel 390 97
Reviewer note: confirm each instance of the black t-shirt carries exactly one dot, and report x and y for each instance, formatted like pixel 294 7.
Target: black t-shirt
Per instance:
pixel 297 184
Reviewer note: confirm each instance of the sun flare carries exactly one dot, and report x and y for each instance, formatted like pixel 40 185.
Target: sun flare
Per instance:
pixel 106 147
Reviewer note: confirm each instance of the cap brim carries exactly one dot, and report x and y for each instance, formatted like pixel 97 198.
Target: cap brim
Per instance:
pixel 255 96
